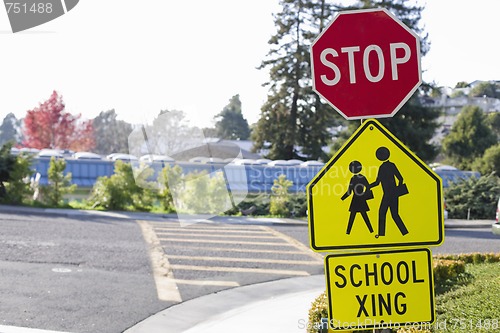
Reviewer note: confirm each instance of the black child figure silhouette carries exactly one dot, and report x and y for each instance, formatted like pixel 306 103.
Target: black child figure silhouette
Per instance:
pixel 358 187
pixel 387 175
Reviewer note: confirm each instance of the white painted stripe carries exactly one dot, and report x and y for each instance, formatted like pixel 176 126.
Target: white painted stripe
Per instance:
pixel 229 249
pixel 204 241
pixel 159 233
pixel 206 227
pixel 16 329
pixel 162 271
pixel 208 283
pixel 199 230
pixel 257 260
pixel 240 270
pixel 295 243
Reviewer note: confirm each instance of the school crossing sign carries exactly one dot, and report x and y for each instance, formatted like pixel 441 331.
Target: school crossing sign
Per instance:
pixel 374 193
pixel 379 289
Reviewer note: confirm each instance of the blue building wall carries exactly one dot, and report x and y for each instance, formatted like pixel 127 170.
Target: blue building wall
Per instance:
pixel 255 178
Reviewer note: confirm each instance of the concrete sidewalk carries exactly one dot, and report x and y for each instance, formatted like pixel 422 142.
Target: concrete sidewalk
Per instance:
pixel 80 213
pixel 277 306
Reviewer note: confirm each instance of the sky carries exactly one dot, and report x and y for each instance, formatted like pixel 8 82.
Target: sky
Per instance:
pixel 140 57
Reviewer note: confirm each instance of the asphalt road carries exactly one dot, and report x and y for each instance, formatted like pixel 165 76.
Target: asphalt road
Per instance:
pixel 74 275
pixel 468 240
pixel 104 275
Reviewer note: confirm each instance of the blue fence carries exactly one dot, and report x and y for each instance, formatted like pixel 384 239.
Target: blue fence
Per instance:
pixel 254 178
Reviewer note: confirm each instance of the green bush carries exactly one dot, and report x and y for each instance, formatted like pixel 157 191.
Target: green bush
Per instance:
pixel 59 184
pixel 7 162
pixel 297 205
pixel 200 193
pixel 168 177
pixel 474 305
pixel 489 162
pixel 121 191
pixel 280 197
pixel 412 330
pixel 18 186
pixel 477 196
pixel 318 310
pixel 255 204
pixel 449 272
pixel 472 258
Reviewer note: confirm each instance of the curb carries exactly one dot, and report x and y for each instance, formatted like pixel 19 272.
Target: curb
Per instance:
pixel 473 224
pixel 198 311
pixel 82 213
pixel 122 215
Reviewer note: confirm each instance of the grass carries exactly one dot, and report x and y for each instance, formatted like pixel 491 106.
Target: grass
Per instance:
pixel 467 296
pixel 473 306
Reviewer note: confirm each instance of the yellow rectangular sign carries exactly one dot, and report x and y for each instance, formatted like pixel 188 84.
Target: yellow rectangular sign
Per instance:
pixel 380 289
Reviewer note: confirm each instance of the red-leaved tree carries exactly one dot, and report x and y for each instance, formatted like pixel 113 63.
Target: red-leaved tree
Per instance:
pixel 49 126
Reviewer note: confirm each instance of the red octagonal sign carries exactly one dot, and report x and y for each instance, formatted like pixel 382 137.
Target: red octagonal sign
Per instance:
pixel 366 64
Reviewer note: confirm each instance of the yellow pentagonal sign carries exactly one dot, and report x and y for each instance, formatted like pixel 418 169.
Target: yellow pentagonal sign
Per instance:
pixel 374 193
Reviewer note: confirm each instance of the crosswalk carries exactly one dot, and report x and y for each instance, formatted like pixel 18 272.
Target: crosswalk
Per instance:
pixel 217 256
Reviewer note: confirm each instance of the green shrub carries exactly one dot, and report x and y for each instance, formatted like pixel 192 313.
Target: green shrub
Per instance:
pixel 479 195
pixel 59 184
pixel 168 177
pixel 18 186
pixel 412 330
pixel 474 305
pixel 297 205
pixel 120 191
pixel 318 310
pixel 449 271
pixel 200 193
pixel 489 162
pixel 280 197
pixel 7 162
pixel 257 204
pixel 472 258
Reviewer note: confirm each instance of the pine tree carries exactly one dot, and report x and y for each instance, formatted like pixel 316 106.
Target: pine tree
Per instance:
pixel 469 137
pixel 293 115
pixel 9 130
pixel 413 124
pixel 111 134
pixel 230 123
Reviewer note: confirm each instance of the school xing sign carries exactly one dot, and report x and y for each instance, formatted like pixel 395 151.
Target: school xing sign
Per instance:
pixel 374 193
pixel 380 289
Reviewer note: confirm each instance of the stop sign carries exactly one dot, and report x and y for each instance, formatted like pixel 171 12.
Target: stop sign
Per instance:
pixel 366 64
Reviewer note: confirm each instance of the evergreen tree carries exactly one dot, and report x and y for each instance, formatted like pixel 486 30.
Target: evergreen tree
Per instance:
pixel 408 12
pixel 493 121
pixel 230 123
pixel 293 114
pixel 111 134
pixel 489 162
pixel 7 164
pixel 485 89
pixel 9 130
pixel 59 183
pixel 469 137
pixel 413 124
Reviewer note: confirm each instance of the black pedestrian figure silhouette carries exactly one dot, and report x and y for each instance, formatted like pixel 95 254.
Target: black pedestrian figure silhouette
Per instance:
pixel 359 188
pixel 387 175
